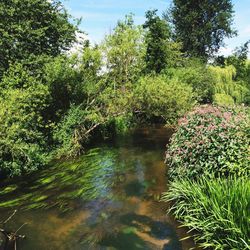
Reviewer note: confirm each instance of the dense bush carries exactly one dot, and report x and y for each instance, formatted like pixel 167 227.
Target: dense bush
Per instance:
pixel 217 210
pixel 198 76
pixel 69 133
pixel 163 99
pixel 210 141
pixel 22 142
pixel 223 100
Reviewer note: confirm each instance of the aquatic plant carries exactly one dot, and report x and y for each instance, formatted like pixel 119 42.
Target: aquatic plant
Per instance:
pixel 89 178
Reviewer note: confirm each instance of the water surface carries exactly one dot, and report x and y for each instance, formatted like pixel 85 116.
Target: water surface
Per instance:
pixel 108 199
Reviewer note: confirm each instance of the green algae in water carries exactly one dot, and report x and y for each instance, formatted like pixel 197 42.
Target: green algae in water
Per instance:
pixel 91 177
pixel 8 189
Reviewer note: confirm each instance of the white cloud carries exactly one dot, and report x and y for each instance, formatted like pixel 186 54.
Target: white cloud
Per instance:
pixel 225 51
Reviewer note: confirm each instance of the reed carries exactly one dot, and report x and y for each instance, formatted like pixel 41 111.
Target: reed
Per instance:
pixel 217 211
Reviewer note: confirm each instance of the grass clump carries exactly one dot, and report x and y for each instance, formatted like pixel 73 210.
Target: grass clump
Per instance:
pixel 216 210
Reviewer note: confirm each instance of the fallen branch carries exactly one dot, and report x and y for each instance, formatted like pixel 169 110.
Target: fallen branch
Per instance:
pixel 10 217
pixel 11 237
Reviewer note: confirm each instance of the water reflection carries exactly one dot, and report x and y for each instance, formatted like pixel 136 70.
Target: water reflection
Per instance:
pixel 108 199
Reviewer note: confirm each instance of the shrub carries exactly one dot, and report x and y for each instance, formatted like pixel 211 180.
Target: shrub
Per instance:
pixel 196 75
pixel 22 142
pixel 74 130
pixel 162 99
pixel 104 115
pixel 210 140
pixel 223 100
pixel 217 210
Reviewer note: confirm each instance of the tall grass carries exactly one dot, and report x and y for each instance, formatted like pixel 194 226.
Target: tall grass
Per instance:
pixel 216 210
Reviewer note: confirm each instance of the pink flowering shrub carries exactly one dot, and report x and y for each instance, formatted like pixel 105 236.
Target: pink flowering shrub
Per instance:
pixel 210 140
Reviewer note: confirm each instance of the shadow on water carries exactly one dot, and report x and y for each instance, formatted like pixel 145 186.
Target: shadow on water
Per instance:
pixel 107 199
pixel 142 232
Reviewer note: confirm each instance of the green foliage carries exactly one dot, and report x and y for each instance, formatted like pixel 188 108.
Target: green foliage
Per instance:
pixel 69 133
pixel 33 27
pixel 90 63
pixel 110 111
pixel 163 99
pixel 124 51
pixel 239 60
pixel 72 80
pixel 54 102
pixel 201 26
pixel 224 84
pixel 161 51
pixel 223 100
pixel 22 142
pixel 118 110
pixel 64 84
pixel 210 141
pixel 217 210
pixel 198 76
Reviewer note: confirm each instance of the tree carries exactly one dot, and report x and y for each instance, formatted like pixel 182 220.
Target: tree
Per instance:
pixel 33 27
pixel 201 25
pixel 124 50
pixel 161 51
pixel 239 60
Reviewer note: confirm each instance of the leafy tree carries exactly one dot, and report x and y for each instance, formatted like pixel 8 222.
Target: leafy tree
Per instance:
pixel 33 27
pixel 239 60
pixel 202 25
pixel 124 50
pixel 91 63
pixel 161 51
pixel 72 80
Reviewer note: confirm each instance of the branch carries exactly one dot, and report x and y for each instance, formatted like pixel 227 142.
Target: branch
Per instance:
pixel 11 216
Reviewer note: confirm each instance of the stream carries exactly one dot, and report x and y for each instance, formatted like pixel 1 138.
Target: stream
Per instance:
pixel 108 199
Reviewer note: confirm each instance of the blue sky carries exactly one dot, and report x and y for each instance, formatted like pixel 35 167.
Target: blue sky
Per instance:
pixel 100 16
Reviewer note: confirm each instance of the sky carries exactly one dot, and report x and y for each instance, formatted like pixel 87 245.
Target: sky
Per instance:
pixel 99 17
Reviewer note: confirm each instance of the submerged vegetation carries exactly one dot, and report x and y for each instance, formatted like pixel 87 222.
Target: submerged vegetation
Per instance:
pixel 79 178
pixel 54 102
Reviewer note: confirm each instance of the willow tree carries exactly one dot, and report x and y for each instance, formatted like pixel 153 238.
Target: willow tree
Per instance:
pixel 226 90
